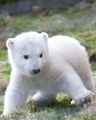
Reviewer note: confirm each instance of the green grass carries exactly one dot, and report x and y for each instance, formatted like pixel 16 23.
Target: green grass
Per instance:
pixel 56 111
pixel 3 55
pixel 4 66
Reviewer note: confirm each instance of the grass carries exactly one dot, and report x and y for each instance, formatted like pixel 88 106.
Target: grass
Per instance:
pixel 4 66
pixel 79 22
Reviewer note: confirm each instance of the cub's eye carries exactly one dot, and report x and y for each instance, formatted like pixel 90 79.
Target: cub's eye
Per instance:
pixel 26 56
pixel 41 55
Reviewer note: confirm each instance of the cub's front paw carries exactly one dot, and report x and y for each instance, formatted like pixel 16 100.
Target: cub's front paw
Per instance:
pixel 83 97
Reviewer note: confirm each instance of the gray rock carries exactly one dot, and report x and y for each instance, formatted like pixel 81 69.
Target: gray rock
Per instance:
pixel 4 35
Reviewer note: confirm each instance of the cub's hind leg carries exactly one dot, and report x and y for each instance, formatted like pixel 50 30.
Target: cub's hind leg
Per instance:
pixel 43 97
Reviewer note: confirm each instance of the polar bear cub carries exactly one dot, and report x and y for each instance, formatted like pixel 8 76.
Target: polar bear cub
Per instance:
pixel 46 66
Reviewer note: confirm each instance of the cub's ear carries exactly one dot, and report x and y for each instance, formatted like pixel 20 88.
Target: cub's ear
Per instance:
pixel 10 43
pixel 45 35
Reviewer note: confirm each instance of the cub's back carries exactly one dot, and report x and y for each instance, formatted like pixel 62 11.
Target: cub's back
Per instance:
pixel 66 46
pixel 70 50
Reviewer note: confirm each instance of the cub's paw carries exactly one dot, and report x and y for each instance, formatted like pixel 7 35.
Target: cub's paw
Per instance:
pixel 83 97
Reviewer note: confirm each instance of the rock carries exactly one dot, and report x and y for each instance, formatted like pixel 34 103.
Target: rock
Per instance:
pixel 4 35
pixel 3 85
pixel 36 10
pixel 93 57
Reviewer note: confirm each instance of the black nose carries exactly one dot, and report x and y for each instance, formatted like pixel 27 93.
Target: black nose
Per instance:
pixel 36 71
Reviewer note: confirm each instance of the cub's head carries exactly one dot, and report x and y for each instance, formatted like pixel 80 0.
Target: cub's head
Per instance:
pixel 28 52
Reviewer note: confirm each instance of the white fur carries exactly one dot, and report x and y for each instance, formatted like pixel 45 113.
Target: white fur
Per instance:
pixel 64 68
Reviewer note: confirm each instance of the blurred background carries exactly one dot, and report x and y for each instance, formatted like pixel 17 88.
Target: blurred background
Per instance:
pixel 75 18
